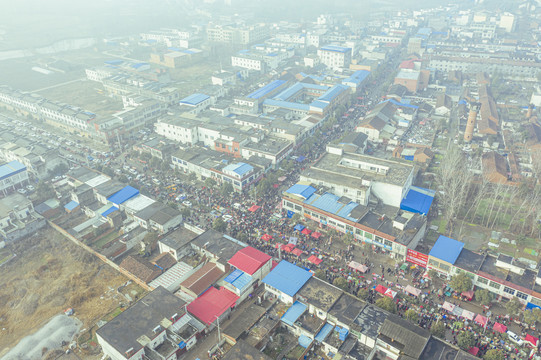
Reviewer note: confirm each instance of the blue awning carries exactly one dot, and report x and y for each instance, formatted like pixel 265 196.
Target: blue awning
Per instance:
pixel 299 227
pixel 293 313
pixel 532 306
pixel 300 159
pixel 325 330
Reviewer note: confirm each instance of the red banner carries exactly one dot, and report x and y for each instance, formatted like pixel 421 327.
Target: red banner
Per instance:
pixel 417 258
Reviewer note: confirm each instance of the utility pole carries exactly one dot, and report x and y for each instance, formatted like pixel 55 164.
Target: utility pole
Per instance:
pixel 219 333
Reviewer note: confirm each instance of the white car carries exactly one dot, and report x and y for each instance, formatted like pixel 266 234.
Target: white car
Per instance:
pixel 30 188
pixel 21 191
pixel 187 203
pixel 227 217
pixel 515 338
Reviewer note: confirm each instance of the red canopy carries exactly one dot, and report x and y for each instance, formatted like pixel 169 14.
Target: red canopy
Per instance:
pixel 316 235
pixel 288 247
pixel 531 339
pixel 278 245
pixel 266 237
pixel 381 289
pixel 314 260
pixel 275 186
pixel 306 231
pixel 297 252
pixel 254 208
pixel 473 350
pixel 468 294
pixel 500 327
pixel 481 320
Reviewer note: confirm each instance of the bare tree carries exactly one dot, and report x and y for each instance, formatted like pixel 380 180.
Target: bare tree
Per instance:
pixel 455 181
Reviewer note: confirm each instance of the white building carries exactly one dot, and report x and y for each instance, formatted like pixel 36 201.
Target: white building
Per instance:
pixel 13 175
pixel 335 57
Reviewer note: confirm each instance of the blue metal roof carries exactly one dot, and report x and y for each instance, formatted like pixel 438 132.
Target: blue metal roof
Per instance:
pixel 71 205
pixel 174 48
pixel 239 168
pixel 446 249
pixel 266 89
pixel 418 200
pixel 112 209
pixel 304 341
pixel 294 312
pixel 242 281
pixel 335 48
pixel 329 202
pixel 294 89
pixel 194 99
pixel 188 51
pixel 10 169
pixel 287 278
pixel 114 62
pixel 357 77
pixel 319 104
pixel 287 104
pixel 325 330
pixel 233 276
pixel 401 104
pixel 333 92
pixel 123 195
pixel 462 102
pixel 138 65
pixel 301 190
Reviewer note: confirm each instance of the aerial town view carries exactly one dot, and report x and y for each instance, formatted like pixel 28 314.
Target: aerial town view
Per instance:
pixel 270 180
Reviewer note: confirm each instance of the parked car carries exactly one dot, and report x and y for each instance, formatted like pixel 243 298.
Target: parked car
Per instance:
pixel 515 338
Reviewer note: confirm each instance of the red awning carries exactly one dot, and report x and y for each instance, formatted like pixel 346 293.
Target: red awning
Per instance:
pixel 254 208
pixel 266 237
pixel 381 289
pixel 288 248
pixel 316 235
pixel 275 186
pixel 481 320
pixel 500 327
pixel 306 231
pixel 315 260
pixel 473 350
pixel 278 245
pixel 531 339
pixel 297 252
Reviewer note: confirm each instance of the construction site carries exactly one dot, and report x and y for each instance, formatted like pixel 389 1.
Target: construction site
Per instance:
pixel 50 275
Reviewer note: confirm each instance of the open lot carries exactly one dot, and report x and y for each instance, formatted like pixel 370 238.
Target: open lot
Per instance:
pixel 49 275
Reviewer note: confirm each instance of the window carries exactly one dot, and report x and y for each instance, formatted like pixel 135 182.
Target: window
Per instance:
pixel 379 239
pixel 494 285
pixel 359 232
pixel 367 235
pixel 434 262
pixel 445 267
pixel 521 295
pixel 509 290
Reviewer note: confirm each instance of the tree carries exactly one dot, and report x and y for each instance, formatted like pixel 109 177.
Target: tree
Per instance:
pixel 341 283
pixel 438 330
pixel 494 354
pixel 44 190
pixel 386 303
pixel 483 296
pixel 532 316
pixel 219 224
pixel 363 293
pixel 513 306
pixel 461 282
pixel 185 212
pixel 465 340
pixel 320 274
pixel 412 315
pixel 226 189
pixel 210 182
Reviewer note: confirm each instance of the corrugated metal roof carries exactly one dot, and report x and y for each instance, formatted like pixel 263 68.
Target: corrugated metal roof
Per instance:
pixel 294 312
pixel 212 304
pixel 335 48
pixel 239 168
pixel 123 195
pixel 11 168
pixel 71 205
pixel 333 92
pixel 194 99
pixel 266 89
pixel 418 200
pixel 287 278
pixel 357 77
pixel 325 330
pixel 287 104
pixel 446 249
pixel 242 282
pixel 301 190
pixel 233 276
pixel 249 260
pixel 329 202
pixel 112 209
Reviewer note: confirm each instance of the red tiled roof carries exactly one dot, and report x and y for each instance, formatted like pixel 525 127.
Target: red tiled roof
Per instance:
pixel 213 303
pixel 249 260
pixel 202 278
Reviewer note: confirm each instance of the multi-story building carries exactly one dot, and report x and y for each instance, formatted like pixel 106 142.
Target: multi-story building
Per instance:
pixel 506 67
pixel 18 218
pixel 237 35
pixel 335 57
pixel 13 175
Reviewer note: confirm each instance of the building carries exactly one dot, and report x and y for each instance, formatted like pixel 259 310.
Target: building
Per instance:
pixel 196 103
pixel 202 279
pixel 18 218
pixel 495 167
pixel 335 57
pixel 284 281
pixel 213 305
pixel 360 177
pixel 444 254
pixel 390 228
pixel 357 80
pixel 236 34
pixel 13 175
pixel 398 339
pixel 140 331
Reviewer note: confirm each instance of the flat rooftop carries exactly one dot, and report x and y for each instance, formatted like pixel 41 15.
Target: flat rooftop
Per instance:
pixel 347 308
pixel 138 321
pixel 178 238
pixel 244 323
pixel 319 293
pixel 397 174
pixel 216 243
pixel 470 261
pixel 370 320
